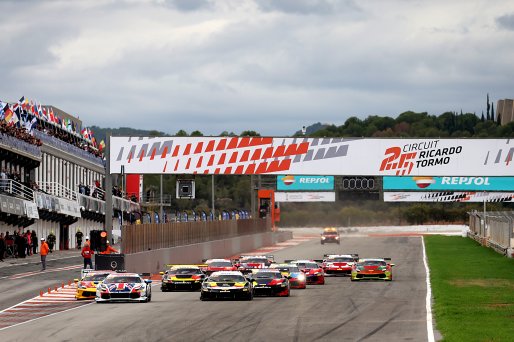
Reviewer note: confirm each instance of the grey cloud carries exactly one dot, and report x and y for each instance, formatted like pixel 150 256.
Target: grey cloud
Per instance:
pixel 306 7
pixel 188 5
pixel 506 22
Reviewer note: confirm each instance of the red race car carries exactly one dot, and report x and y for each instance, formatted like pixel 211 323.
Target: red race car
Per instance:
pixel 339 263
pixel 313 272
pixel 216 265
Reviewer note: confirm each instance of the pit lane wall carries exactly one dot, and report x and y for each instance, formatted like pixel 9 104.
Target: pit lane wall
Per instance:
pixel 494 229
pixel 154 261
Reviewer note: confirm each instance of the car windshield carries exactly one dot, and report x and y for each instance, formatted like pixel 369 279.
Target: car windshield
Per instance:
pixel 220 264
pixel 308 265
pixel 330 233
pixel 232 278
pixel 255 260
pixel 267 275
pixel 288 269
pixel 95 277
pixel 340 259
pixel 185 271
pixel 373 263
pixel 127 279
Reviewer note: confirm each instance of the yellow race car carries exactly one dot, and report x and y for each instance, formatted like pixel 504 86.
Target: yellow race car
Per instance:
pixel 86 287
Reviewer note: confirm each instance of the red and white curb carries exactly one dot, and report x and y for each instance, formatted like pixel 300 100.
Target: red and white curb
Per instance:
pixel 53 301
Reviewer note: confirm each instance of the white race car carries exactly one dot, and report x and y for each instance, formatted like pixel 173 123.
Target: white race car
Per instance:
pixel 124 287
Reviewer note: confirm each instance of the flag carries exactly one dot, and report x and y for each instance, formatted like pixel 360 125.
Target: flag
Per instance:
pixel 7 113
pixel 33 109
pixel 101 147
pixel 30 125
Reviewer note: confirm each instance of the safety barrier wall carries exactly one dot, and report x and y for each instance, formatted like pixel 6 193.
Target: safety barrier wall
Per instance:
pixel 150 236
pixel 154 261
pixel 496 231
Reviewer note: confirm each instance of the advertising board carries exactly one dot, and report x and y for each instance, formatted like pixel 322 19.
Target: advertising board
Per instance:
pixel 298 183
pixel 448 196
pixel 312 156
pixel 425 183
pixel 322 196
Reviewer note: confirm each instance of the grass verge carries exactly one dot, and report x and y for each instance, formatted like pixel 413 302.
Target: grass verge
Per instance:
pixel 473 290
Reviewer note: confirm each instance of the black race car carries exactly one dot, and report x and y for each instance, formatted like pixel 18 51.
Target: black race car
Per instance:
pixel 226 285
pixel 270 282
pixel 184 277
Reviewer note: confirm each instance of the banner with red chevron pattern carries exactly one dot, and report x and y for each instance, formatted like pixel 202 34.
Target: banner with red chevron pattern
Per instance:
pixel 312 156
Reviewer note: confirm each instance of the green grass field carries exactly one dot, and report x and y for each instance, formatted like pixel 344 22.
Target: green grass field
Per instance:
pixel 473 290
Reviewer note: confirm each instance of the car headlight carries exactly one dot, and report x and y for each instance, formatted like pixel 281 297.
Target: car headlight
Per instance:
pixel 323 238
pixel 337 237
pixel 301 277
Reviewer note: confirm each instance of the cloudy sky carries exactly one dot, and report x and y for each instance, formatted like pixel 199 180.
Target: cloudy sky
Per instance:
pixel 265 65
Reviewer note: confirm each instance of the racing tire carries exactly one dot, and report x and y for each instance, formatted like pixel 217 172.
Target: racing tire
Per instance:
pixel 338 242
pixel 203 299
pixel 249 297
pixel 164 289
pixel 322 243
pixel 149 299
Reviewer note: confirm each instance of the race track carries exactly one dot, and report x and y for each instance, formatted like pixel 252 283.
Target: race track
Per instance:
pixel 338 311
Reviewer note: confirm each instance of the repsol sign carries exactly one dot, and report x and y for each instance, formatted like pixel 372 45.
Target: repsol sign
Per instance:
pixel 290 182
pixel 449 183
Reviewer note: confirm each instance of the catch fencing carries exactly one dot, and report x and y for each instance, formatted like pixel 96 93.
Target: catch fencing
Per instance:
pixel 143 237
pixel 495 231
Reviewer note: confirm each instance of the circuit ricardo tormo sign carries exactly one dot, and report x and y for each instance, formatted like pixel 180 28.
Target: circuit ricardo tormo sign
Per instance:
pixel 312 156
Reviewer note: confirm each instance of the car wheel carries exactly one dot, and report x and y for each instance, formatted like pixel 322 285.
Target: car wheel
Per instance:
pixel 149 299
pixel 322 243
pixel 164 289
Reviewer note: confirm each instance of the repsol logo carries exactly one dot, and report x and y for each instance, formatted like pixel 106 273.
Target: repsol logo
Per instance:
pixel 314 180
pixel 465 180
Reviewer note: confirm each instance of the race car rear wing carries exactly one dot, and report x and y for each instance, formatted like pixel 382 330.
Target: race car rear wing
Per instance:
pixel 268 256
pixel 355 256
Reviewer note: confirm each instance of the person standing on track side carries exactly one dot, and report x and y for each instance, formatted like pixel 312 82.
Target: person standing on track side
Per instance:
pixel 51 241
pixel 78 236
pixel 109 249
pixel 33 237
pixel 87 253
pixel 44 252
pixel 2 247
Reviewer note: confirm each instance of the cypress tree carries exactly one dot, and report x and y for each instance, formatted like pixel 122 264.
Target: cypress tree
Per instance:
pixel 492 112
pixel 488 107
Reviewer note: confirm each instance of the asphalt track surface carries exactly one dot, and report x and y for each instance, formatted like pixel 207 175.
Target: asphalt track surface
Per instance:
pixel 338 311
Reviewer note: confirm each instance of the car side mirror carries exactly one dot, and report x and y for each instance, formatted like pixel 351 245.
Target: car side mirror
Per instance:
pixel 148 281
pixel 391 265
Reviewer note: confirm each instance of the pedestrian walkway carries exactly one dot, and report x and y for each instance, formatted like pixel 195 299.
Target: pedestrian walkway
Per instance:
pixel 36 258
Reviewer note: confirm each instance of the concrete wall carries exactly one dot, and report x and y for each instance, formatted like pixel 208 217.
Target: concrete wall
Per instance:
pixel 154 261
